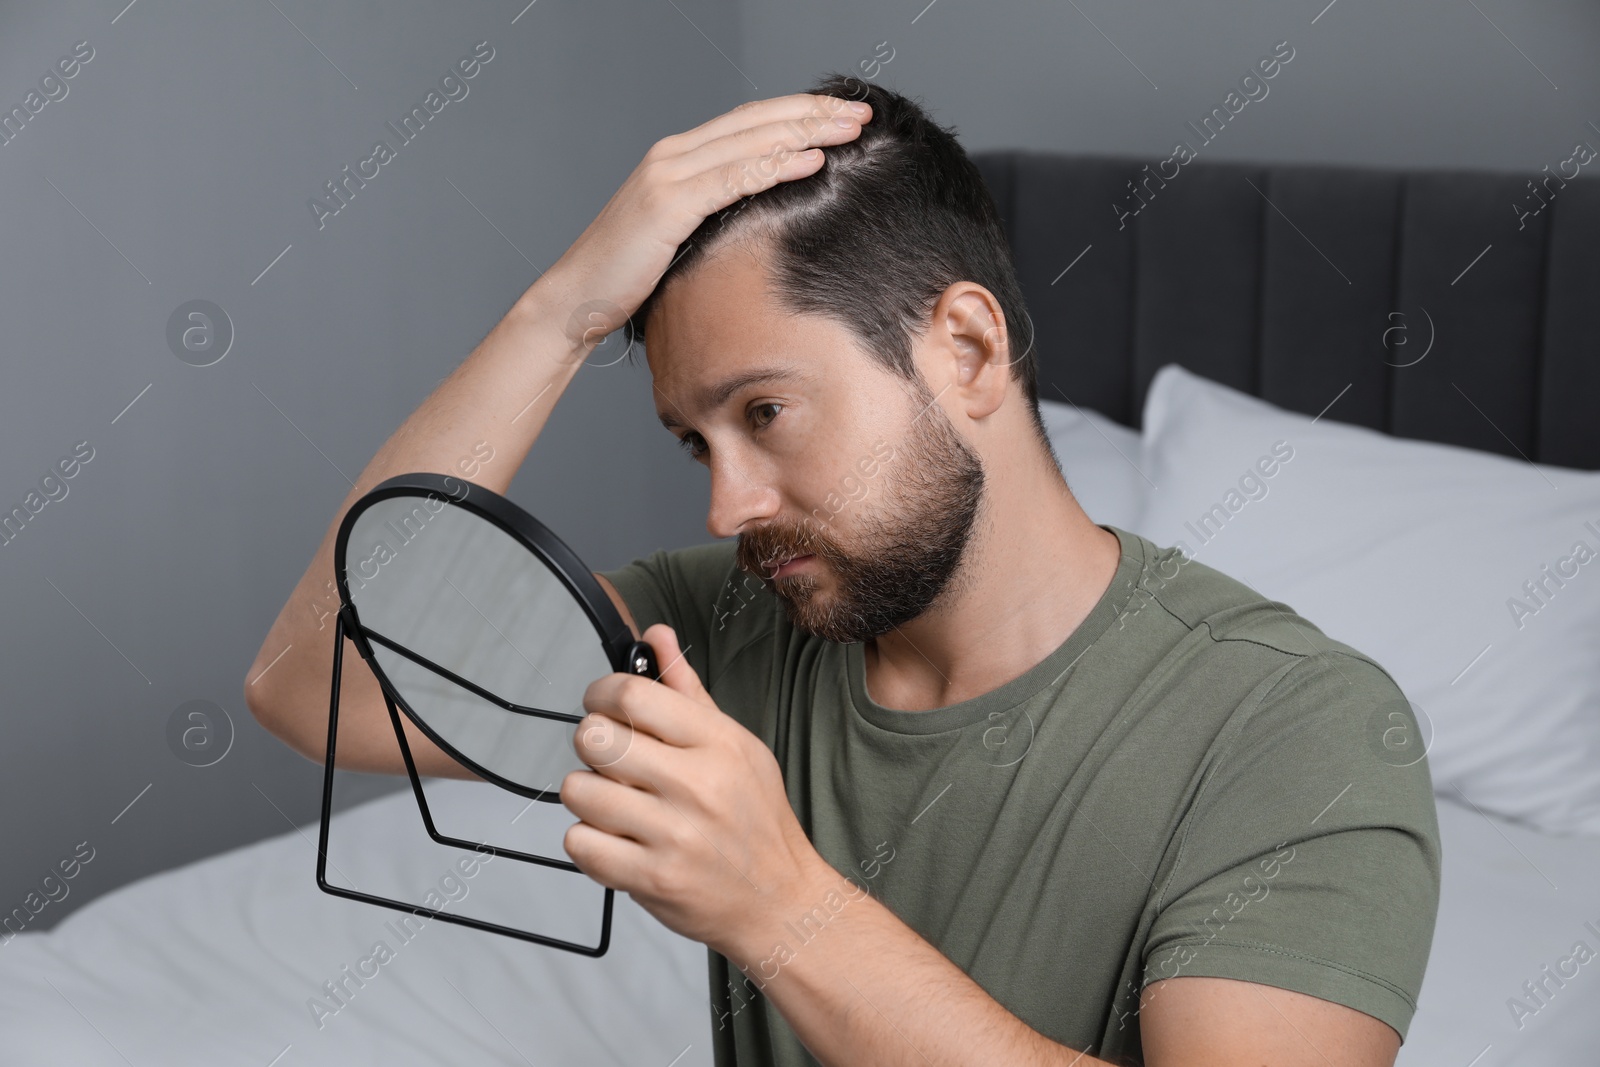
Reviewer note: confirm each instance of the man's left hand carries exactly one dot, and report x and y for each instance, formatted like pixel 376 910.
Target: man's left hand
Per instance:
pixel 685 809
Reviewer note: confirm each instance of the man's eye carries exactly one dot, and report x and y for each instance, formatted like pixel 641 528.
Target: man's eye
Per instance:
pixel 693 444
pixel 761 422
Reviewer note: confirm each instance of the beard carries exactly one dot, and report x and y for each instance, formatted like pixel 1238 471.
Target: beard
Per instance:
pixel 906 551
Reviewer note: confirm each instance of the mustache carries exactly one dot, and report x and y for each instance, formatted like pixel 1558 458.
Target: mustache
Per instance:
pixel 761 551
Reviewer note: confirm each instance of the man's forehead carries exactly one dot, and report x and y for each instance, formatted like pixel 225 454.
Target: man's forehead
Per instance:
pixel 720 307
pixel 718 330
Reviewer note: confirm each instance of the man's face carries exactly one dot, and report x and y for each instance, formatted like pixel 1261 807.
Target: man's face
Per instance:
pixel 827 455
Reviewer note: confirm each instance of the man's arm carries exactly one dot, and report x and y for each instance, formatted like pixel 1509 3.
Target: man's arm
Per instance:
pixel 496 402
pixel 1198 1021
pixel 867 989
pixel 620 604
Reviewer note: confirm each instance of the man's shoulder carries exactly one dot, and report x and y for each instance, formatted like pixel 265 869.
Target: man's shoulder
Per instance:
pixel 1266 673
pixel 1230 611
pixel 1297 709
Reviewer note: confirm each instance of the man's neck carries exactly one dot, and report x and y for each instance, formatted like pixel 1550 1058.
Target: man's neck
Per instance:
pixel 1035 567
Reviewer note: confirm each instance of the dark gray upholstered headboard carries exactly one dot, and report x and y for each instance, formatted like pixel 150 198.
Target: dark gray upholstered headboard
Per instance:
pixel 1281 281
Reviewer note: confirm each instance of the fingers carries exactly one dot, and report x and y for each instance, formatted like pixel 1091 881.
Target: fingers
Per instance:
pixel 749 158
pixel 606 805
pixel 622 753
pixel 608 859
pixel 633 721
pixel 774 111
pixel 602 740
pixel 747 170
pixel 676 673
pixel 753 143
pixel 634 704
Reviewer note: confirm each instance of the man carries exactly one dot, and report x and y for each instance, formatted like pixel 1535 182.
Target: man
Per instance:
pixel 939 769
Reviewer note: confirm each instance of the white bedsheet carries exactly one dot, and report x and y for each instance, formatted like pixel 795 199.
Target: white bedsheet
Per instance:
pixel 212 964
pixel 1512 901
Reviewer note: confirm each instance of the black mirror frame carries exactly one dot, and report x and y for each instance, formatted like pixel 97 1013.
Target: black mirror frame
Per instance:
pixel 624 653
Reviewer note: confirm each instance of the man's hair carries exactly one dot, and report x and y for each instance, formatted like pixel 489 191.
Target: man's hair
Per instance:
pixel 872 239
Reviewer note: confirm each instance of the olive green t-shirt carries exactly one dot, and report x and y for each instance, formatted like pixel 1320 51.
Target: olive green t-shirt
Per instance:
pixel 1197 781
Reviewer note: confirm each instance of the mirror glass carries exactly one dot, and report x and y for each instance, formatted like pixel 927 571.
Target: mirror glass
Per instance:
pixel 460 591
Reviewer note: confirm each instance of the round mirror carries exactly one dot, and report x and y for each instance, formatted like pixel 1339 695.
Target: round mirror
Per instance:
pixel 485 627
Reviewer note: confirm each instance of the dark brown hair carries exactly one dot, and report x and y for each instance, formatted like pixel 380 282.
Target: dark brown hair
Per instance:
pixel 872 238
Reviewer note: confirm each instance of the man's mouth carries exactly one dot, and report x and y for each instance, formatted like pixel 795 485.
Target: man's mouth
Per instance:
pixel 792 564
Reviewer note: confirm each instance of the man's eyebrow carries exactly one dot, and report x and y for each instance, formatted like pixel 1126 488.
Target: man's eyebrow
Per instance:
pixel 714 396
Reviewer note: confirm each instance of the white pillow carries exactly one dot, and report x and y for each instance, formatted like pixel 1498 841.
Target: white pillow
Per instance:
pixel 1416 554
pixel 1099 457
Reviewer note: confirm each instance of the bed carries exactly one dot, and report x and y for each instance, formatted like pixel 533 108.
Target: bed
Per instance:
pixel 1278 283
pixel 212 965
pixel 216 964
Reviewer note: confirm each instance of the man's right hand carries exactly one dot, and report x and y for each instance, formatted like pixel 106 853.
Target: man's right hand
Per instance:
pixel 683 179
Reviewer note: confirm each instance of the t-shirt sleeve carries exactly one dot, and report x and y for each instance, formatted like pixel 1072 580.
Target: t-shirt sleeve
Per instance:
pixel 1311 858
pixel 686 588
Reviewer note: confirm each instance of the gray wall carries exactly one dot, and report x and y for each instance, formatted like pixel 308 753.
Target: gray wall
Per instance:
pixel 192 142
pixel 179 165
pixel 1426 83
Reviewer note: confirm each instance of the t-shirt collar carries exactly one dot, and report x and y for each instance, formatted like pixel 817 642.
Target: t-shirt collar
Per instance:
pixel 1031 682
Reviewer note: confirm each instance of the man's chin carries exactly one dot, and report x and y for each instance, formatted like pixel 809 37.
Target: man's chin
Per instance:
pixel 803 598
pixel 815 615
pixel 793 588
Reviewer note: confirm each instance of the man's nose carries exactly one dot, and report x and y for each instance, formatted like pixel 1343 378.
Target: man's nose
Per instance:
pixel 739 499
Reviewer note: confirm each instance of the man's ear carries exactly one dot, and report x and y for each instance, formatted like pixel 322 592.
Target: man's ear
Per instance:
pixel 969 349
